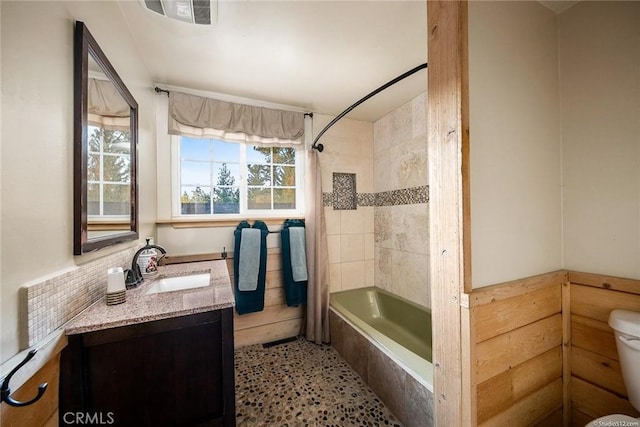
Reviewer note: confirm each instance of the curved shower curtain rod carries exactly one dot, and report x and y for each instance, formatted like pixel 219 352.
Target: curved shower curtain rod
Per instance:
pixel 320 147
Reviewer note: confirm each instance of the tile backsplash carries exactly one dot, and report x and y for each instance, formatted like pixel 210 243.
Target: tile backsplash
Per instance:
pixel 51 302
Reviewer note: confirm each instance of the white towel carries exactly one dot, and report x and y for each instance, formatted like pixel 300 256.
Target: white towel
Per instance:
pixel 298 254
pixel 249 261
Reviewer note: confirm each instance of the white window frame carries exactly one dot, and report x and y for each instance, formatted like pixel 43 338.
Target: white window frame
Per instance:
pixel 244 212
pixel 102 217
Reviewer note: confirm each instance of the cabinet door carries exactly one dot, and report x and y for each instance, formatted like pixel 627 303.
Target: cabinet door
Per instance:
pixel 170 372
pixel 169 378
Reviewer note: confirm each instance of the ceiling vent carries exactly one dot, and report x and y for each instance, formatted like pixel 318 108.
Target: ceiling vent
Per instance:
pixel 190 11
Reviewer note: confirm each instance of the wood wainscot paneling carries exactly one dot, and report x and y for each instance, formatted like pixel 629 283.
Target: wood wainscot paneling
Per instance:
pixel 591 401
pixel 518 329
pixel 597 387
pixel 277 320
pixel 45 411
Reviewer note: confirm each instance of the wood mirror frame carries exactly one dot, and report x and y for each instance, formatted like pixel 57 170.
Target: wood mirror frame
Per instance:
pixel 86 48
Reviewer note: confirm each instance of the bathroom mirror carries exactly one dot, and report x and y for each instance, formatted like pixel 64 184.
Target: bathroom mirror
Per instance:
pixel 105 143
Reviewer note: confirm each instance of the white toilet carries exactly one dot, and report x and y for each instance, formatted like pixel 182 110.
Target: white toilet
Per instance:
pixel 626 326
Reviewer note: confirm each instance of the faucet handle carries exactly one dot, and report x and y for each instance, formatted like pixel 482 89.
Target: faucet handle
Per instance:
pixel 131 280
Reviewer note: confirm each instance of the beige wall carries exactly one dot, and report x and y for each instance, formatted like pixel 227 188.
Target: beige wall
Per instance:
pixel 348 148
pixel 600 96
pixel 37 141
pixel 515 141
pixel 401 231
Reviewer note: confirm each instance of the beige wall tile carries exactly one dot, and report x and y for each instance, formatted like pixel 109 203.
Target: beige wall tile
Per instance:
pixel 364 174
pixel 401 238
pixel 352 275
pixel 351 247
pixel 383 268
pixel 410 228
pixel 409 163
pixel 382 134
pixel 333 247
pixel 369 272
pixel 351 221
pixel 367 213
pixel 383 226
pixel 409 276
pixel 335 277
pixel 369 245
pixel 332 219
pixel 401 127
pixel 419 114
pixel 384 179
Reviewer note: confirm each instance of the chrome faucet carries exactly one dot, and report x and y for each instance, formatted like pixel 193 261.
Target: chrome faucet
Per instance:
pixel 134 276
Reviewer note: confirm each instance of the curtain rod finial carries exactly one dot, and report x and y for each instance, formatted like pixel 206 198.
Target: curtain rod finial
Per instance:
pixel 159 90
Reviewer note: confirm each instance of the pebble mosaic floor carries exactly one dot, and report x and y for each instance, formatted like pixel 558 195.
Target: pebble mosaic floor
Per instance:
pixel 303 384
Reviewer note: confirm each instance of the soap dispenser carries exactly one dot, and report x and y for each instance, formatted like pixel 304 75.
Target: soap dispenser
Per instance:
pixel 148 261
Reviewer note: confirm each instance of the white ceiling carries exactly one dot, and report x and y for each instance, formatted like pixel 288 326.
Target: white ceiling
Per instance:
pixel 318 55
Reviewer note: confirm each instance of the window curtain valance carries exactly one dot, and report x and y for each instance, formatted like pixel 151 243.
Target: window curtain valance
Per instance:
pixel 106 108
pixel 199 117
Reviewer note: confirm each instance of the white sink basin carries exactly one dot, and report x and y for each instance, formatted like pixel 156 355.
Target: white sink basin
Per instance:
pixel 180 283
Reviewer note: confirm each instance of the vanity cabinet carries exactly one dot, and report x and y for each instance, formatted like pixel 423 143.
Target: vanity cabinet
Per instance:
pixel 176 371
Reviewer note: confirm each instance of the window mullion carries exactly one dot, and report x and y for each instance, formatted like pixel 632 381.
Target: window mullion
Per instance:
pixel 101 183
pixel 272 183
pixel 212 183
pixel 176 179
pixel 244 191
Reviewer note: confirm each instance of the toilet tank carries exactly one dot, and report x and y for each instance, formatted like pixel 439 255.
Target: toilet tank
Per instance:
pixel 626 325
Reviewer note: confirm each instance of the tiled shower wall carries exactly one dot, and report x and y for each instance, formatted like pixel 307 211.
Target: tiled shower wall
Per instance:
pixel 401 249
pixel 348 149
pixel 382 239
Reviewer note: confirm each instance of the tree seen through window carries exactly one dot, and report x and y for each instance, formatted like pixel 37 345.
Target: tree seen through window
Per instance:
pixel 212 184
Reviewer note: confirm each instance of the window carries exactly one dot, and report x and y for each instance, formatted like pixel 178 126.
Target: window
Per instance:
pixel 229 180
pixel 108 174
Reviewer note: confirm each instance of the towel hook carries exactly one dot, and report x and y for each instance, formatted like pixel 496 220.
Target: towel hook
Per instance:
pixel 5 391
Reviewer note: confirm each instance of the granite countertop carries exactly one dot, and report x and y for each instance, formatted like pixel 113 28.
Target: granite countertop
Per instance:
pixel 140 307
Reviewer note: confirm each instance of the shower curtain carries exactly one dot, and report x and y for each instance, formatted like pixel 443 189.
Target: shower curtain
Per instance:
pixel 317 310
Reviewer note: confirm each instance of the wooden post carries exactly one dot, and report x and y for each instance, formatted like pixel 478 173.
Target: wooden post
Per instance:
pixel 566 353
pixel 449 224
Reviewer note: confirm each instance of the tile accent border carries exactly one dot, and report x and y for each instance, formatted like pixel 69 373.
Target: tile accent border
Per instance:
pixel 366 199
pixel 51 302
pixel 405 196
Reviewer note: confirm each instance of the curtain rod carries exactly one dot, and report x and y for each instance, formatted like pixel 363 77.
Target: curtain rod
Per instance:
pixel 320 147
pixel 160 90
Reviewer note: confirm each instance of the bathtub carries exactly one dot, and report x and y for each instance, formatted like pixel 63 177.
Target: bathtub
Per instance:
pixel 387 340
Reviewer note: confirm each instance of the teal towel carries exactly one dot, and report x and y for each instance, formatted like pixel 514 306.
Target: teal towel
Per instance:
pixel 295 291
pixel 298 254
pixel 250 301
pixel 249 259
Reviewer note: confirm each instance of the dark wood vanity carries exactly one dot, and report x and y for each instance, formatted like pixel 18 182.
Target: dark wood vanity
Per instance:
pixel 158 359
pixel 175 371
